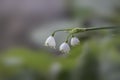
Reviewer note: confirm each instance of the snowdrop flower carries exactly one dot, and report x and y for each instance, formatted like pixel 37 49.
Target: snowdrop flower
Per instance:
pixel 50 41
pixel 74 41
pixel 64 47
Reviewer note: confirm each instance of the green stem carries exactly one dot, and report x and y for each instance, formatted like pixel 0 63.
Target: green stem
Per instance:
pixel 68 38
pixel 100 28
pixel 59 31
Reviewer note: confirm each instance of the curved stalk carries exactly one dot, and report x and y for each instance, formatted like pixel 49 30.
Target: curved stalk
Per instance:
pixel 59 31
pixel 68 38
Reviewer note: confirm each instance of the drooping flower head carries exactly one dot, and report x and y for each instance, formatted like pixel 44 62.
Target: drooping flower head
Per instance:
pixel 64 47
pixel 74 41
pixel 50 41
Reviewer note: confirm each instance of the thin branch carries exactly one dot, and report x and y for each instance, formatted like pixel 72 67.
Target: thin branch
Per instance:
pixel 59 31
pixel 68 37
pixel 100 28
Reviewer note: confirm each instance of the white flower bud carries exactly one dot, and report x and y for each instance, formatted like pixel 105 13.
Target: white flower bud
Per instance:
pixel 50 41
pixel 74 41
pixel 64 47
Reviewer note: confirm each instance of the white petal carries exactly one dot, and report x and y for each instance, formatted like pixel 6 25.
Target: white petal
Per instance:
pixel 50 42
pixel 74 41
pixel 64 47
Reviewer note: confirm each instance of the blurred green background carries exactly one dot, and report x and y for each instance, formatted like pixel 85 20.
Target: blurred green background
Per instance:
pixel 23 55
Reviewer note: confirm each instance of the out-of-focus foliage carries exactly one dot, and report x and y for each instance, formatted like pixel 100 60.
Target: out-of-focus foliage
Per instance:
pixel 97 57
pixel 94 59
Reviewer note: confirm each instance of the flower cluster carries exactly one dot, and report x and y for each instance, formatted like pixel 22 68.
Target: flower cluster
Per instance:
pixel 64 47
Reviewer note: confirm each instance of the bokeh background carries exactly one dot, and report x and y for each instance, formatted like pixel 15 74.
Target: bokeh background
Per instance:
pixel 25 25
